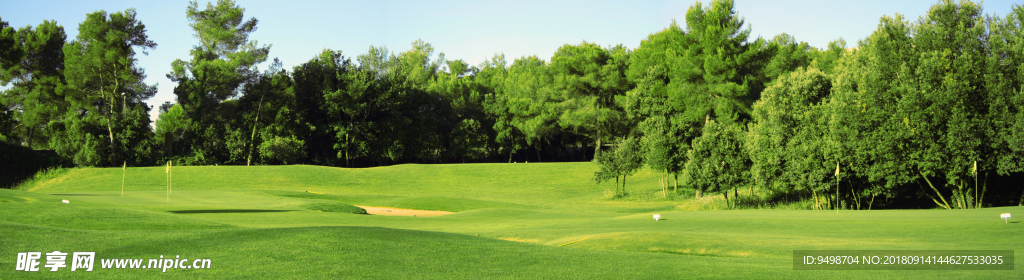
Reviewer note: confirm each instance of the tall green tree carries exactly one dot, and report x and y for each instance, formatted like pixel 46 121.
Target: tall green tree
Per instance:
pixel 827 59
pixel 471 128
pixel 528 98
pixel 586 79
pixel 222 61
pixel 416 64
pixel 320 120
pixel 718 160
pixel 36 73
pixel 787 55
pixel 491 76
pixel 944 113
pixel 787 140
pixel 106 93
pixel 10 54
pixel 718 73
pixel 661 127
pixel 716 77
pixel 1004 79
pixel 867 86
pixel 269 119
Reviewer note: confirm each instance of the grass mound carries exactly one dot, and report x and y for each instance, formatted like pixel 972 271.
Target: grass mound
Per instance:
pixel 450 204
pixel 336 207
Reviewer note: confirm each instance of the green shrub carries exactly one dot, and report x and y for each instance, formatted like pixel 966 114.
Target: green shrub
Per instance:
pixel 18 163
pixel 285 150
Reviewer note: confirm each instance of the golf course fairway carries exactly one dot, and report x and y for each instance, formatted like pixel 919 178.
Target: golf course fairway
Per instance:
pixel 536 220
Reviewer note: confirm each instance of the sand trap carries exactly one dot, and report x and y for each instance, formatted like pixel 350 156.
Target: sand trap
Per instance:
pixel 388 211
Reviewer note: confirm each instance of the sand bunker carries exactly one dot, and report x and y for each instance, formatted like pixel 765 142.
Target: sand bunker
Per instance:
pixel 388 211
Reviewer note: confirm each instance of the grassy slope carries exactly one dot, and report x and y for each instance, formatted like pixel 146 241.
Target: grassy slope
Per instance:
pixel 255 221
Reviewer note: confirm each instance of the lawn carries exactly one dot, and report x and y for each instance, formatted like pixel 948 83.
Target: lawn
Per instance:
pixel 537 220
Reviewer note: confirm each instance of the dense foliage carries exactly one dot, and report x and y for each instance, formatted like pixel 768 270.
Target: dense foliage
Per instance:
pixel 928 110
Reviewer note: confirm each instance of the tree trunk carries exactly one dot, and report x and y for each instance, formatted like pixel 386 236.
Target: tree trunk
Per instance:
pixel 984 188
pixel 930 195
pixel 934 189
pixel 726 195
pixel 110 128
pixel 31 133
pixel 698 193
pixel 113 144
pixel 962 202
pixel 735 196
pixel 1021 202
pixel 597 148
pixel 664 185
pixel 623 185
pixel 252 138
pixel 815 195
pixel 661 184
pixel 617 184
pixel 675 183
pixel 853 196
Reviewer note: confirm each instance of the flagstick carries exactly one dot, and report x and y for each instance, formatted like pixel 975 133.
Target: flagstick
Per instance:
pixel 837 188
pixel 167 174
pixel 124 168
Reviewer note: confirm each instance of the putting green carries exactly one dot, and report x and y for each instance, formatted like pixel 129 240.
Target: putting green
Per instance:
pixel 508 221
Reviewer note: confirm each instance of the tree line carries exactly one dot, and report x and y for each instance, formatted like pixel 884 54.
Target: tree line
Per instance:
pixel 925 110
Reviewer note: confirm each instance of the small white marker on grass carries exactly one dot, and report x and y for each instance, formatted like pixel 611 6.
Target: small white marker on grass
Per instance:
pixel 65 201
pixel 1005 217
pixel 657 217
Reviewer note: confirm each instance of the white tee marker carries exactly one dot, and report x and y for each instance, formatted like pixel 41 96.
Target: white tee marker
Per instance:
pixel 657 217
pixel 1005 217
pixel 65 201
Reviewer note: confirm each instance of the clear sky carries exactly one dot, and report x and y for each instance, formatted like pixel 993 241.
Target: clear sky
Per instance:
pixel 469 30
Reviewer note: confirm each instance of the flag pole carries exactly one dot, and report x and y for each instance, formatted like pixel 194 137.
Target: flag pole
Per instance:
pixel 167 180
pixel 837 187
pixel 124 168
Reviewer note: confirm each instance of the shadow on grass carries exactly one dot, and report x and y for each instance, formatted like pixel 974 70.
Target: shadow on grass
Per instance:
pixel 214 211
pixel 78 194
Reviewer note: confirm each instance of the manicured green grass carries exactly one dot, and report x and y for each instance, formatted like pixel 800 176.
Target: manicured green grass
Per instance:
pixel 337 207
pixel 512 221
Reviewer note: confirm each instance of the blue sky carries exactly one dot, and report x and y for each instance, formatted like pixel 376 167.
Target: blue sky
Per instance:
pixel 469 30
